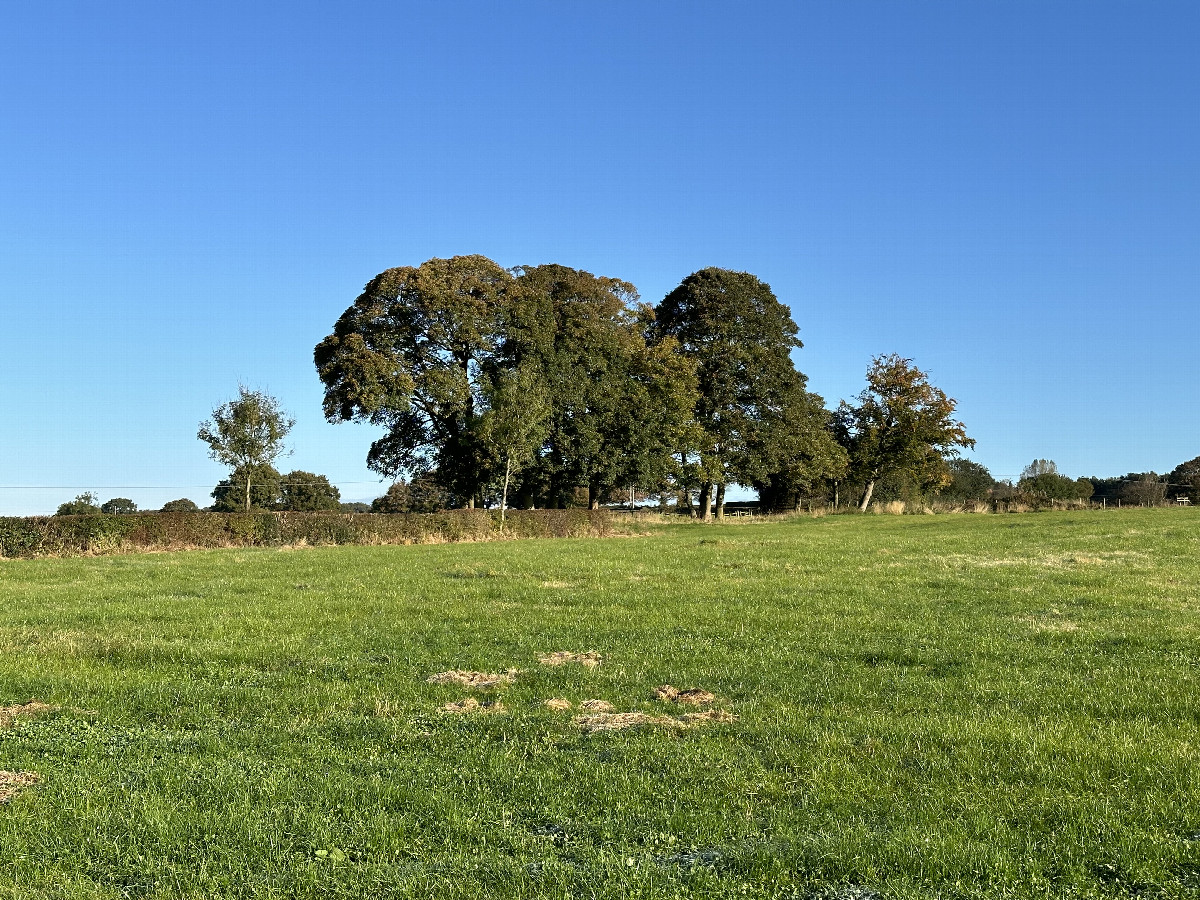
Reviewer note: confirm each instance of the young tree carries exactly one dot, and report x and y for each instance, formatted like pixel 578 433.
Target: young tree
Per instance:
pixel 307 492
pixel 901 423
pixel 1041 478
pixel 515 424
pixel 740 338
pixel 246 433
pixel 119 506
pixel 410 356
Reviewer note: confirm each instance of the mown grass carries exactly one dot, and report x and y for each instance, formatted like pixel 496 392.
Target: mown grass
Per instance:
pixel 949 706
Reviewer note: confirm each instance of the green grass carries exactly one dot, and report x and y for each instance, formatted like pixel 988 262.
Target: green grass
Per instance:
pixel 949 706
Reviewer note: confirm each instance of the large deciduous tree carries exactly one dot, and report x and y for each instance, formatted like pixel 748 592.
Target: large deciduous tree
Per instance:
pixel 411 355
pixel 753 416
pixel 247 434
pixel 616 404
pixel 900 424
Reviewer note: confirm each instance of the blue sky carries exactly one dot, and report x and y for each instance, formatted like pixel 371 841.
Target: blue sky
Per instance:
pixel 191 193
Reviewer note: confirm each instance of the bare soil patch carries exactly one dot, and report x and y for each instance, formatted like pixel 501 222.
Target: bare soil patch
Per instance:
pixel 11 782
pixel 478 681
pixel 690 697
pixel 623 721
pixel 10 714
pixel 590 659
pixel 597 706
pixel 557 703
pixel 471 705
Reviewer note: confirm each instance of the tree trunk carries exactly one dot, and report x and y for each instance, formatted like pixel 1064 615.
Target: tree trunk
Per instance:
pixel 471 502
pixel 247 489
pixel 705 501
pixel 867 495
pixel 504 496
pixel 721 500
pixel 593 498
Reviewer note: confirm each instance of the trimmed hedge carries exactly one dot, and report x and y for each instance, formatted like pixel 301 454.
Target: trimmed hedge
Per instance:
pixel 101 534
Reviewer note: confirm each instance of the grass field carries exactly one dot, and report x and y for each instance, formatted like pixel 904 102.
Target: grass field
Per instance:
pixel 940 706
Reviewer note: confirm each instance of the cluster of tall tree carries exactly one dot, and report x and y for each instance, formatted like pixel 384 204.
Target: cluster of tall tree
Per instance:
pixel 547 386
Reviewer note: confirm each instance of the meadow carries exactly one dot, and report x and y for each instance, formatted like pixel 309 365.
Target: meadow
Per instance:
pixel 951 706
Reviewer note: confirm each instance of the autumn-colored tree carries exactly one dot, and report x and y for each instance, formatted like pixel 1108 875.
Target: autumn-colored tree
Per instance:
pixel 900 423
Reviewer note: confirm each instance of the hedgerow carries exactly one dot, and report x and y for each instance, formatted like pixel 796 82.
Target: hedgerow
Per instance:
pixel 100 534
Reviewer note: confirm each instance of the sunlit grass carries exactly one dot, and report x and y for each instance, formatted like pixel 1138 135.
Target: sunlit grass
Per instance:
pixel 943 706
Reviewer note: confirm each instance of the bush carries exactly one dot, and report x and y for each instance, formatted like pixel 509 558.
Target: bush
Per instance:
pixel 99 534
pixel 183 504
pixel 119 506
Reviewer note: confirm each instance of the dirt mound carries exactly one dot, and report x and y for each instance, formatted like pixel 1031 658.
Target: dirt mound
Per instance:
pixel 557 703
pixel 590 659
pixel 9 714
pixel 691 697
pixel 478 681
pixel 11 782
pixel 623 721
pixel 471 705
pixel 597 706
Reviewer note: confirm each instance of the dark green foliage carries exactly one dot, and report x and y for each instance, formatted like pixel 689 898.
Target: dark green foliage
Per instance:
pixel 752 413
pixel 119 506
pixel 265 489
pixel 83 505
pixel 99 533
pixel 424 494
pixel 247 435
pixel 409 356
pixel 616 406
pixel 1042 479
pixel 355 507
pixel 183 504
pixel 307 492
pixel 1184 480
pixel 968 481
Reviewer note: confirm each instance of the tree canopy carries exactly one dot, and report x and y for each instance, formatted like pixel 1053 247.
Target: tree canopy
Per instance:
pixel 306 491
pixel 900 423
pixel 246 435
pixel 752 415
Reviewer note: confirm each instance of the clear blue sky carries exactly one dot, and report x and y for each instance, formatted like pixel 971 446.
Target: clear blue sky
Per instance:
pixel 191 193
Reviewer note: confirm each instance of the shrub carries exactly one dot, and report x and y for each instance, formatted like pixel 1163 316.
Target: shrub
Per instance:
pixel 176 530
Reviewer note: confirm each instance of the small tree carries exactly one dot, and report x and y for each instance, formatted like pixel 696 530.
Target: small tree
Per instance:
pixel 183 504
pixel 307 491
pixel 247 432
pixel 515 424
pixel 119 506
pixel 901 423
pixel 260 483
pixel 82 505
